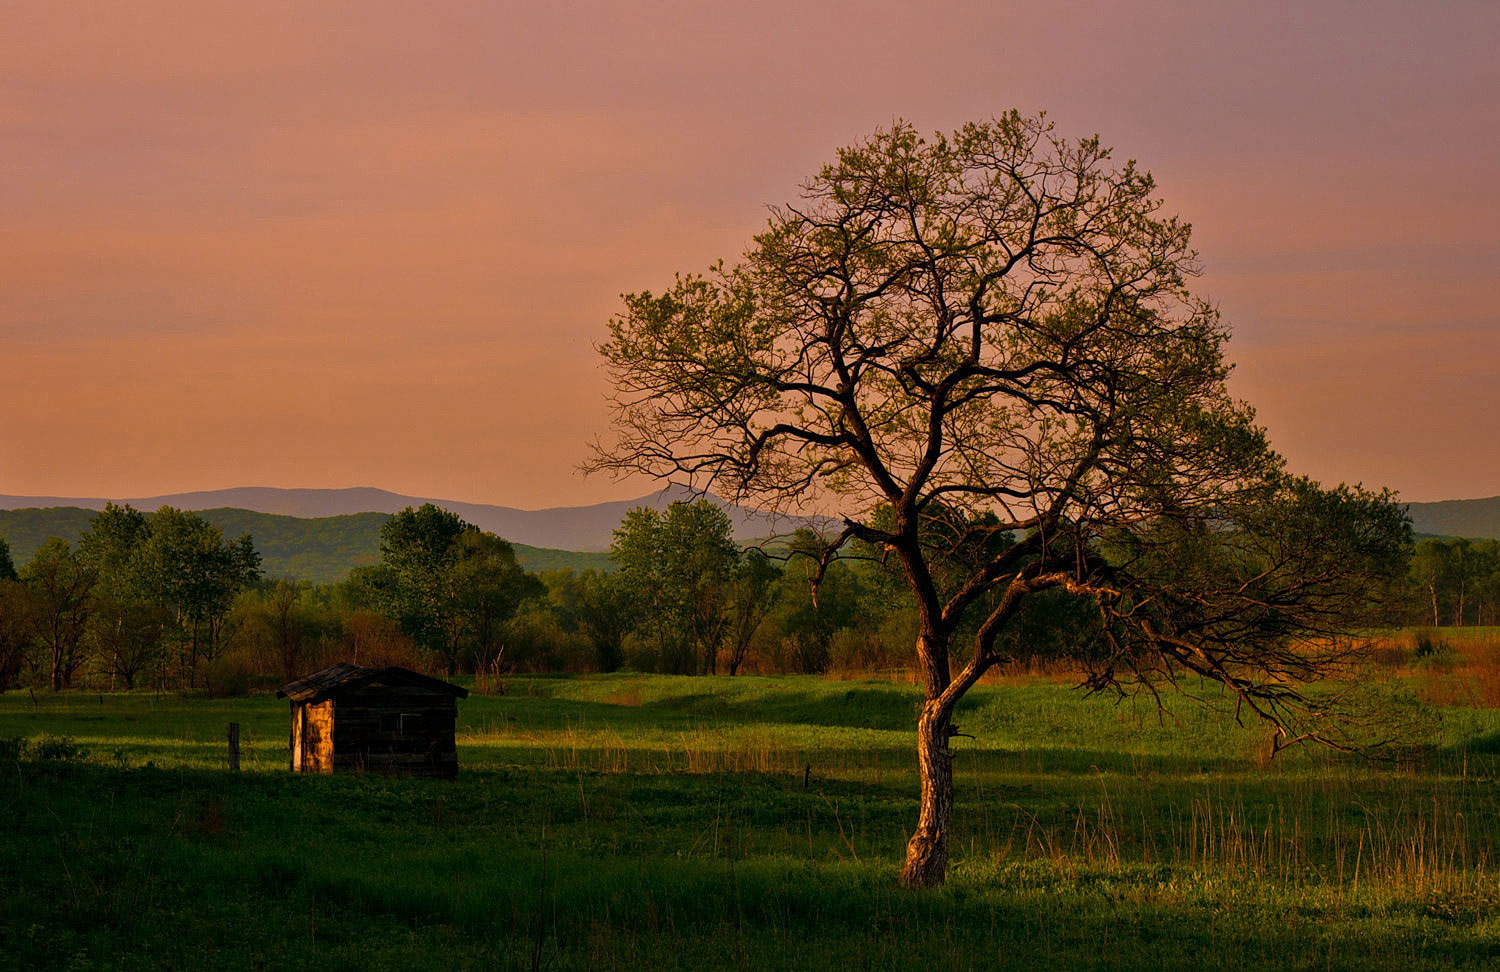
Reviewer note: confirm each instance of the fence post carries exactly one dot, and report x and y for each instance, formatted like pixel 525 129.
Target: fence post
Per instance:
pixel 234 746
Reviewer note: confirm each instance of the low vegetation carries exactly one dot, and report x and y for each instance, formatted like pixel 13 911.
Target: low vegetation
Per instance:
pixel 630 821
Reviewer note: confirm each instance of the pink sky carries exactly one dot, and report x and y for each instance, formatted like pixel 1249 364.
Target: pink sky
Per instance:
pixel 370 243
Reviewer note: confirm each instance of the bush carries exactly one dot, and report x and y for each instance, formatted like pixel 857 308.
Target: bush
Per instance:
pixel 231 675
pixel 535 642
pixel 854 650
pixel 375 641
pixel 41 749
pixel 1427 642
pixel 1430 648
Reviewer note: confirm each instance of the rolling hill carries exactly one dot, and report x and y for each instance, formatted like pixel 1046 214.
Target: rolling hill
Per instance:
pixel 322 534
pixel 582 528
pixel 1473 518
pixel 321 549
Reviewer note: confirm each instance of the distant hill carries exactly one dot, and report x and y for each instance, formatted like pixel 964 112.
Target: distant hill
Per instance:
pixel 583 528
pixel 1473 518
pixel 320 549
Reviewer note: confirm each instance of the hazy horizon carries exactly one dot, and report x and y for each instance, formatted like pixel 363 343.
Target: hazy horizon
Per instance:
pixel 650 491
pixel 373 243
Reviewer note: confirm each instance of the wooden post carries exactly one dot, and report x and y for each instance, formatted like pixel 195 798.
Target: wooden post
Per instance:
pixel 234 746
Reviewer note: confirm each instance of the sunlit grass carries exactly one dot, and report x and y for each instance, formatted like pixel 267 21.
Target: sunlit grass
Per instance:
pixel 677 823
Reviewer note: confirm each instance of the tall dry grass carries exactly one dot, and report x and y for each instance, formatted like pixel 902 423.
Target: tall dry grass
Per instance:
pixel 1447 668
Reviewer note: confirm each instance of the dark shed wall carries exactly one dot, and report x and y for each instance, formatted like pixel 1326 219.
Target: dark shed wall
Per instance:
pixel 403 729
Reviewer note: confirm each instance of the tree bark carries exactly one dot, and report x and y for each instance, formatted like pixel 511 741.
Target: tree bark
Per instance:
pixel 927 852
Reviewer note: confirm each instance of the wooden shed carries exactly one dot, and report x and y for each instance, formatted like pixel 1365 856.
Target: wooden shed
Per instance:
pixel 378 720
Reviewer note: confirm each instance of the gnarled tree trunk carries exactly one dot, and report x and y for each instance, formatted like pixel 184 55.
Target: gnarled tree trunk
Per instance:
pixel 927 851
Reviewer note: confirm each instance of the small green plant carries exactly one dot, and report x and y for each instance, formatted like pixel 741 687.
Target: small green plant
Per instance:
pixel 42 749
pixel 56 749
pixel 1428 644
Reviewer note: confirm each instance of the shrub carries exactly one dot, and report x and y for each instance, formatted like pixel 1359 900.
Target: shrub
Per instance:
pixel 41 749
pixel 231 675
pixel 1427 643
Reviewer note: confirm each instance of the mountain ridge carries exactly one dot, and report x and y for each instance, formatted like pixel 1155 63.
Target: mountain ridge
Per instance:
pixel 319 549
pixel 572 528
pixel 590 528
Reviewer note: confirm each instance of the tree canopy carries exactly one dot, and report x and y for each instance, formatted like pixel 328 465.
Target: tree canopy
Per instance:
pixel 452 586
pixel 680 563
pixel 982 349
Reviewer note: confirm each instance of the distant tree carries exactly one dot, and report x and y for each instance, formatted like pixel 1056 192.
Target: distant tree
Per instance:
pixel 189 568
pixel 128 628
pixel 1432 568
pixel 417 549
pixel 288 628
pixel 487 587
pixel 995 329
pixel 818 596
pixel 602 605
pixel 16 632
pixel 126 636
pixel 60 587
pixel 751 599
pixel 113 545
pixel 373 639
pixel 679 563
pixel 452 587
pixel 639 552
pixel 1454 575
pixel 1487 581
pixel 7 566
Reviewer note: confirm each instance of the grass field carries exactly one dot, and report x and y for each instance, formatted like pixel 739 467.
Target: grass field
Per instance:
pixel 622 822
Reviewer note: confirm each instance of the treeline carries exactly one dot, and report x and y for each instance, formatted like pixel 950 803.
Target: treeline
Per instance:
pixel 165 600
pixel 1456 582
pixel 139 597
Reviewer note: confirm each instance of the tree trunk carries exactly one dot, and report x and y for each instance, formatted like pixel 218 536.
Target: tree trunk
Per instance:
pixel 927 851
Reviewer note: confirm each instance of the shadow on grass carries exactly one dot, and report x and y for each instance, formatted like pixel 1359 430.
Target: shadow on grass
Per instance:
pixel 210 870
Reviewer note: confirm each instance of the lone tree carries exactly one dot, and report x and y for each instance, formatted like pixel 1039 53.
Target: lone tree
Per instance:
pixel 451 586
pixel 983 349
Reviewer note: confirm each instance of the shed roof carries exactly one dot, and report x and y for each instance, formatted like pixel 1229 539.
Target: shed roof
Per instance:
pixel 336 678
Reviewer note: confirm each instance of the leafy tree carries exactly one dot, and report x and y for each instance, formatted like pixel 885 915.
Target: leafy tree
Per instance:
pixel 126 636
pixel 487 587
pixel 1454 574
pixel 128 627
pixel 288 627
pixel 189 568
pixel 997 324
pixel 1487 581
pixel 114 542
pixel 818 596
pixel 679 563
pixel 7 566
pixel 417 550
pixel 601 605
pixel 751 600
pixel 1431 568
pixel 15 634
pixel 60 587
pixel 451 586
pixel 15 631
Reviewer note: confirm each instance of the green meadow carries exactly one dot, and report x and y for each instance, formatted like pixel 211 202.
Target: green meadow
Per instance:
pixel 651 822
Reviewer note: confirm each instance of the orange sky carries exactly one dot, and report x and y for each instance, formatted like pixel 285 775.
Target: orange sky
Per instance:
pixel 369 243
